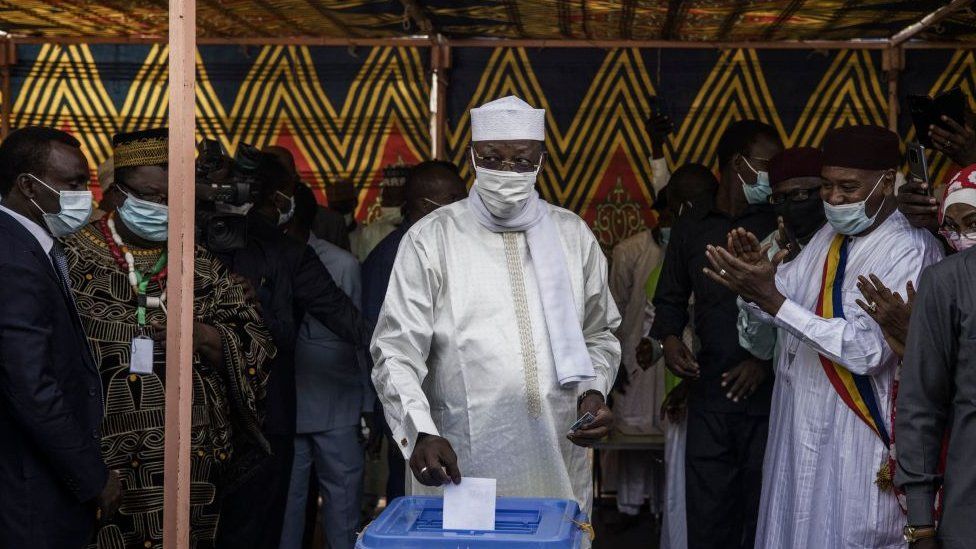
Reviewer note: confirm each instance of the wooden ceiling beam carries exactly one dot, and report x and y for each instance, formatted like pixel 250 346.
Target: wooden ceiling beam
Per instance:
pixel 627 12
pixel 784 16
pixel 677 9
pixel 929 20
pixel 564 13
pixel 729 23
pixel 511 6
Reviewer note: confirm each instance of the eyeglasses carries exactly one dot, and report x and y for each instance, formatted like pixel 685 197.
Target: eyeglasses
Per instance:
pixel 434 203
pixel 129 191
pixel 798 195
pixel 520 165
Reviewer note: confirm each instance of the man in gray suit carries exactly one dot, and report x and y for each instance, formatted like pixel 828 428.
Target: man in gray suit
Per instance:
pixel 333 392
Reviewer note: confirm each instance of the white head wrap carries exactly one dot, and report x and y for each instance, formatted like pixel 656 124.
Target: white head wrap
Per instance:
pixel 508 119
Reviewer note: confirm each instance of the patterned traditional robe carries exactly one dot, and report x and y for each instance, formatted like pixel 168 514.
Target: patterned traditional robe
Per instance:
pixel 225 398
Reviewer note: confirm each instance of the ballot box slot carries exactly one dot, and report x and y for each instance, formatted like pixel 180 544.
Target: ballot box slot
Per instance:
pixel 508 521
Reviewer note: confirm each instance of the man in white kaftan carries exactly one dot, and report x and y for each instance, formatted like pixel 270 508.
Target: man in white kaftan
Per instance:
pixel 466 344
pixel 822 459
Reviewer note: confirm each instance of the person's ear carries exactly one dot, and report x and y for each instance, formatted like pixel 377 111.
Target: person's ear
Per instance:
pixel 889 182
pixel 737 162
pixel 25 184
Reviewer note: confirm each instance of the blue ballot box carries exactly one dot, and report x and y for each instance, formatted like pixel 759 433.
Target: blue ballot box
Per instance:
pixel 415 522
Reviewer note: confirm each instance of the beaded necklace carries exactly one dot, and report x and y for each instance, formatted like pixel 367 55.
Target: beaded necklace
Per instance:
pixel 138 280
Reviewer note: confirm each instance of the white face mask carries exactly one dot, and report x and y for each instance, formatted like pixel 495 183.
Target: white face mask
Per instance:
pixel 504 193
pixel 76 210
pixel 852 219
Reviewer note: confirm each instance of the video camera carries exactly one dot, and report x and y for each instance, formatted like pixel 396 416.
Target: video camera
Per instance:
pixel 225 189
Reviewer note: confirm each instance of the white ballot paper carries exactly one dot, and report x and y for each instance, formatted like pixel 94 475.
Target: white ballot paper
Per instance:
pixel 470 505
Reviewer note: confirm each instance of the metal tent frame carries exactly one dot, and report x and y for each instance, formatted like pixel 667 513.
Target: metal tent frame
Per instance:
pixel 182 39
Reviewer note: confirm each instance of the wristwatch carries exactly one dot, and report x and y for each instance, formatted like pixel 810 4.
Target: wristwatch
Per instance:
pixel 911 534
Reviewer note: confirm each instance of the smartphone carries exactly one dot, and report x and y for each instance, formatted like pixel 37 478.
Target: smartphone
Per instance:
pixel 582 422
pixel 917 166
pixel 927 111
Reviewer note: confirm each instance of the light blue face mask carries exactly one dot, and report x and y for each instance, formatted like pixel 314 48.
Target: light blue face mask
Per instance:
pixel 760 192
pixel 852 219
pixel 147 220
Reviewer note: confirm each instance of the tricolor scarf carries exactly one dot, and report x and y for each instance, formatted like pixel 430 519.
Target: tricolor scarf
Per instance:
pixel 855 390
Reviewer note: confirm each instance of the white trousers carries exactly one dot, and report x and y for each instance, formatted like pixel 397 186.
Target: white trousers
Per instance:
pixel 674 528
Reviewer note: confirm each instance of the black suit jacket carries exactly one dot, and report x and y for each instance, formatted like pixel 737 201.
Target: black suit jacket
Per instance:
pixel 291 281
pixel 51 466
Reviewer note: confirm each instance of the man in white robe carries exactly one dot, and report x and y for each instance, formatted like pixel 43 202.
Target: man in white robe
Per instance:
pixel 497 329
pixel 821 483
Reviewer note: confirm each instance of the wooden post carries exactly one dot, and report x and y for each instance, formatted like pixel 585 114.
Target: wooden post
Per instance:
pixel 179 291
pixel 6 61
pixel 440 62
pixel 892 62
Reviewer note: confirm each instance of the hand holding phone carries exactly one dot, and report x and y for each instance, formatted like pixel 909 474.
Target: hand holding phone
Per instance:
pixel 582 422
pixel 918 166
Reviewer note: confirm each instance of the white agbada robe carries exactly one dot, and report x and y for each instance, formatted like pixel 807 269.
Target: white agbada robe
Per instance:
pixel 448 360
pixel 821 460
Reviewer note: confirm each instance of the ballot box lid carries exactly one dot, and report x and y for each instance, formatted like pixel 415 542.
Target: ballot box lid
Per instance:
pixel 415 522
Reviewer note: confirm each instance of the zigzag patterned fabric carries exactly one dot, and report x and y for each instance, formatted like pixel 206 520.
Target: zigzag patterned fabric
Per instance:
pixel 349 112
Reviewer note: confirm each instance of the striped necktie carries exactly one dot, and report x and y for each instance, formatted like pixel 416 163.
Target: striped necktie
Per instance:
pixel 60 262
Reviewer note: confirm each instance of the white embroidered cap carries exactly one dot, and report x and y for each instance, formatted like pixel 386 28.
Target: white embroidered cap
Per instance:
pixel 508 119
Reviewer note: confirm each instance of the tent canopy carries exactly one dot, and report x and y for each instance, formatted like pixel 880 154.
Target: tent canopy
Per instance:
pixel 684 20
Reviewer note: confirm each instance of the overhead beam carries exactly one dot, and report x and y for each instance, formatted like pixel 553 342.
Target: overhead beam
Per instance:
pixel 627 12
pixel 677 9
pixel 415 11
pixel 931 19
pixel 564 13
pixel 425 41
pixel 511 6
pixel 729 23
pixel 784 16
pixel 179 290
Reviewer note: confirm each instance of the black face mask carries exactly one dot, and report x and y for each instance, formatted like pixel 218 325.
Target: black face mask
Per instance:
pixel 802 219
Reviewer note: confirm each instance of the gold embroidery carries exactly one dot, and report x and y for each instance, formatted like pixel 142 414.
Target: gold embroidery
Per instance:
pixel 529 363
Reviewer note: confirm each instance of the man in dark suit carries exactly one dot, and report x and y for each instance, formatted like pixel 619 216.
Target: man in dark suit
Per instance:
pixel 53 482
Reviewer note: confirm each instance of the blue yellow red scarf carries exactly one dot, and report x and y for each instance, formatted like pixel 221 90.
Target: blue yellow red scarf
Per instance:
pixel 855 390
